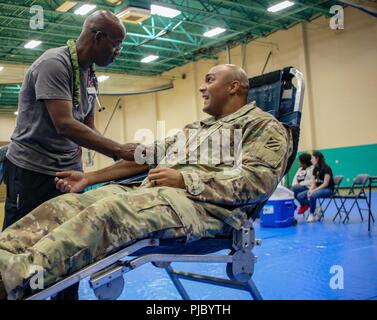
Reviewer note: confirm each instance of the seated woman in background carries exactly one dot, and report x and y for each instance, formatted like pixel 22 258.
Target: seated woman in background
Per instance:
pixel 304 175
pixel 322 186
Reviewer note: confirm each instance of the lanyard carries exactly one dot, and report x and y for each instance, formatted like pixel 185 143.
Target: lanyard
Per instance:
pixel 76 74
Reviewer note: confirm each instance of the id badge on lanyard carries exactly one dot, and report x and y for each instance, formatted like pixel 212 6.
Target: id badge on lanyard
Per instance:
pixel 92 91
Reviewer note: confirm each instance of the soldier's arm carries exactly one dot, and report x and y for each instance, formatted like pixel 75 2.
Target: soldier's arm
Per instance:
pixel 263 163
pixel 75 181
pixel 119 170
pixel 153 154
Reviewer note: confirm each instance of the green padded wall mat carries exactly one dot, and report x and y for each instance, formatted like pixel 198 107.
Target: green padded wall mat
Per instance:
pixel 346 161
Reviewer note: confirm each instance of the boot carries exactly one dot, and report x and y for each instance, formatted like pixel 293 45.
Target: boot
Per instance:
pixel 3 292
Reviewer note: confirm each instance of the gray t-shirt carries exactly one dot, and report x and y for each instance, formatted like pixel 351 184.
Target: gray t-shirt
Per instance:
pixel 36 145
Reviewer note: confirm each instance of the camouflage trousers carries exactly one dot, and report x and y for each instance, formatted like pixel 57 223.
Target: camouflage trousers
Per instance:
pixel 71 231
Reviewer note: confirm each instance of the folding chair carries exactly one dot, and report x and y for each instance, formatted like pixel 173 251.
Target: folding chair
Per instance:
pixel 360 184
pixel 274 92
pixel 337 181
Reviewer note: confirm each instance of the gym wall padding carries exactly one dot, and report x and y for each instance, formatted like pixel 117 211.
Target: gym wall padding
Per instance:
pixel 346 161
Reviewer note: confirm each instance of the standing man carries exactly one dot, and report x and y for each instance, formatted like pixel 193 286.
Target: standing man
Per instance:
pixel 56 116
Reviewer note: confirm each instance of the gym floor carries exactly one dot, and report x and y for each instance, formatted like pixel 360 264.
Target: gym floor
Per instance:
pixel 293 263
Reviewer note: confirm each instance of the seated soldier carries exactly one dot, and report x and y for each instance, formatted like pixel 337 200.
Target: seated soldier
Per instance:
pixel 181 197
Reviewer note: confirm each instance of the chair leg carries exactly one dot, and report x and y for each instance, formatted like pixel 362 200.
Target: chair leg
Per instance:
pixel 322 214
pixel 358 207
pixel 338 212
pixel 252 288
pixel 178 285
pixel 328 204
pixel 349 211
pixel 369 212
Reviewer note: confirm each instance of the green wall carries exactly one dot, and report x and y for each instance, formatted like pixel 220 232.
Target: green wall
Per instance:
pixel 346 161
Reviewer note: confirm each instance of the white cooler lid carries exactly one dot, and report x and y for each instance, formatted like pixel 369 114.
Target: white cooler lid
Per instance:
pixel 282 193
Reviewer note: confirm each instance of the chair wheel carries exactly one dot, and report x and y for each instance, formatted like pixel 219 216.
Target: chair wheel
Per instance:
pixel 111 290
pixel 242 267
pixel 229 268
pixel 229 272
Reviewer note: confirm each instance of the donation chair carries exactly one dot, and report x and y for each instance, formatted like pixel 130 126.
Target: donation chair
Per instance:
pixel 274 92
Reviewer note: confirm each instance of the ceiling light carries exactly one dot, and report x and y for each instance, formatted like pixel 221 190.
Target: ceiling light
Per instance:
pixel 214 32
pixel 15 113
pixel 32 44
pixel 84 9
pixel 1 68
pixel 280 6
pixel 164 11
pixel 133 14
pixel 102 78
pixel 66 6
pixel 149 58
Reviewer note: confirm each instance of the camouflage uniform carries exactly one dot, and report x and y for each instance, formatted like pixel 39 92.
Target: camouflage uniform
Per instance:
pixel 68 232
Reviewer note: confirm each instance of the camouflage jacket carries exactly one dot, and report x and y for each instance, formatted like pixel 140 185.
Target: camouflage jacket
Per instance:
pixel 231 164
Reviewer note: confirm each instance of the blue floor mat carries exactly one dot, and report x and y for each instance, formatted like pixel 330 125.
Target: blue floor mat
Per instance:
pixel 293 263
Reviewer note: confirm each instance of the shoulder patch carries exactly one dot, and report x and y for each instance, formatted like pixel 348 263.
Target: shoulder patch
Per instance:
pixel 273 144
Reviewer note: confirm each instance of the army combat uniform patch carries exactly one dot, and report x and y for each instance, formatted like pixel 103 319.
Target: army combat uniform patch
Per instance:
pixel 273 144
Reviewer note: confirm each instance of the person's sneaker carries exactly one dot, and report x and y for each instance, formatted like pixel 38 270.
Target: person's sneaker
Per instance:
pixel 303 209
pixel 311 218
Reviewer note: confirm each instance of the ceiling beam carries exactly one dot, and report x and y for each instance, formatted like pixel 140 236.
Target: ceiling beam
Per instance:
pixel 79 20
pixel 174 5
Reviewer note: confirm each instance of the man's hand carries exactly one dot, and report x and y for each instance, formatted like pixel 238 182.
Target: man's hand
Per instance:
pixel 310 192
pixel 127 152
pixel 166 177
pixel 71 181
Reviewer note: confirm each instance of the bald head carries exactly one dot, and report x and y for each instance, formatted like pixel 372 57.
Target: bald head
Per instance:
pixel 224 90
pixel 101 38
pixel 231 73
pixel 104 21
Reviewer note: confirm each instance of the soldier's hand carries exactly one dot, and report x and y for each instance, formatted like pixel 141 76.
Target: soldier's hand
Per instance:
pixel 70 181
pixel 166 177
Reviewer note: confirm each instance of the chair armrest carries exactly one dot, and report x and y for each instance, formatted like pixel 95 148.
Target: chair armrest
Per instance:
pixel 136 179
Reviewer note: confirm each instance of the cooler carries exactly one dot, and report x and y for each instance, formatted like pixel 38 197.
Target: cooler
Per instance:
pixel 279 210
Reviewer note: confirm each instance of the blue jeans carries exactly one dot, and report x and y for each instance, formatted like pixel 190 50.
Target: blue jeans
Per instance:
pixel 302 197
pixel 298 189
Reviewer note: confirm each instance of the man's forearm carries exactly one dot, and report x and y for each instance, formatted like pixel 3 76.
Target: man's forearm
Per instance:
pixel 88 138
pixel 121 169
